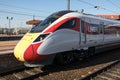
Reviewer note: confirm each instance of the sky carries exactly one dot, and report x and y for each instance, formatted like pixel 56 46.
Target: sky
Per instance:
pixel 24 10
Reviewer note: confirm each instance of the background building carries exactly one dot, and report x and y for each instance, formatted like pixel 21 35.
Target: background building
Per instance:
pixel 110 16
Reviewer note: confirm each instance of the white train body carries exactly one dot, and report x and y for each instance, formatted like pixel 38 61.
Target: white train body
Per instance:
pixel 67 39
pixel 75 31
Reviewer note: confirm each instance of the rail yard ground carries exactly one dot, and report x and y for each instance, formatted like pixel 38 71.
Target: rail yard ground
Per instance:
pixel 73 71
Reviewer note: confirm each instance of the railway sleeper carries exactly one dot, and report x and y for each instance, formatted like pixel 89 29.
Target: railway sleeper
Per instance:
pixel 102 77
pixel 115 71
pixel 107 76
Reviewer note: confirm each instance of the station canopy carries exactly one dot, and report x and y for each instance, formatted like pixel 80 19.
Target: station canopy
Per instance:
pixel 33 22
pixel 110 16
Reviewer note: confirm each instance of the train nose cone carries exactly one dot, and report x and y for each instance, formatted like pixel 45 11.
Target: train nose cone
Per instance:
pixel 28 54
pixel 24 51
pixel 31 54
pixel 20 49
pixel 24 47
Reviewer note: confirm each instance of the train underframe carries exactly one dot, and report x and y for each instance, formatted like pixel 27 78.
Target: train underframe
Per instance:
pixel 76 55
pixel 72 56
pixel 64 58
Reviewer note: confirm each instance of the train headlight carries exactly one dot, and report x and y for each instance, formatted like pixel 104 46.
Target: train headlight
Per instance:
pixel 41 37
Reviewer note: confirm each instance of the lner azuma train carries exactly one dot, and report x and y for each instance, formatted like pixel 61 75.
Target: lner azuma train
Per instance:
pixel 66 36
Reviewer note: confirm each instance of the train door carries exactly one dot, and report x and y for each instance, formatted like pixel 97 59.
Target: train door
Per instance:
pixel 83 39
pixel 101 32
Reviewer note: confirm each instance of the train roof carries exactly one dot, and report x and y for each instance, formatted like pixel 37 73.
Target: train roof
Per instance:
pixel 60 13
pixel 98 17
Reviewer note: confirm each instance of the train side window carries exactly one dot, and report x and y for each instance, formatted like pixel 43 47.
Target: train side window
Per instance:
pixel 69 24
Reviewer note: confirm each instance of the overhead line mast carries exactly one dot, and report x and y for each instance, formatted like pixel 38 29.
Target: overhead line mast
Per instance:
pixel 68 4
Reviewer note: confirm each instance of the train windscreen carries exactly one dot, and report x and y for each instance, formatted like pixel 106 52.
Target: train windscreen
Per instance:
pixel 50 19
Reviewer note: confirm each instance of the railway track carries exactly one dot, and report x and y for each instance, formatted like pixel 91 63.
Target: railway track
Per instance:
pixel 25 73
pixel 20 74
pixel 37 73
pixel 10 37
pixel 109 72
pixel 76 71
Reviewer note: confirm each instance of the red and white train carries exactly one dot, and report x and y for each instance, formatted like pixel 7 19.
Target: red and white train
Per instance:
pixel 65 36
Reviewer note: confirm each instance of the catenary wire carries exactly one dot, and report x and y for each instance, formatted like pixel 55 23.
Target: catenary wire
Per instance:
pixel 94 6
pixel 13 6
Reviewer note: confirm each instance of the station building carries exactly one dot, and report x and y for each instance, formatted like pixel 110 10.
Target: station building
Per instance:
pixel 33 22
pixel 110 16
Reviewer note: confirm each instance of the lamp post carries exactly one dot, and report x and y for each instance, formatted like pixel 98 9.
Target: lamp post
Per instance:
pixel 9 19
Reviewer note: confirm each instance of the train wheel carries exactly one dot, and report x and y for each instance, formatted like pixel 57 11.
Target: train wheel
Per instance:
pixel 64 58
pixel 86 53
pixel 91 51
pixel 82 53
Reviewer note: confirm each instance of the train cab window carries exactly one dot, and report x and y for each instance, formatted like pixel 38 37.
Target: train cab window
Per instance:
pixel 44 24
pixel 49 20
pixel 68 24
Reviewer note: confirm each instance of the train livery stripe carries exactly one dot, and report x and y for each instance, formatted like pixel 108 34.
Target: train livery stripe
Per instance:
pixel 32 52
pixel 57 25
pixel 24 44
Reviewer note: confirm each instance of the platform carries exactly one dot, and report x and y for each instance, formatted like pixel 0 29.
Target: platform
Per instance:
pixel 6 52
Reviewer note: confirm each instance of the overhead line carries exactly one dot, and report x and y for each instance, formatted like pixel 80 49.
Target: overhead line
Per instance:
pixel 3 11
pixel 85 2
pixel 22 7
pixel 114 4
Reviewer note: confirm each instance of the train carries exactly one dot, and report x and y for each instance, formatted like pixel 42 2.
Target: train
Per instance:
pixel 66 36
